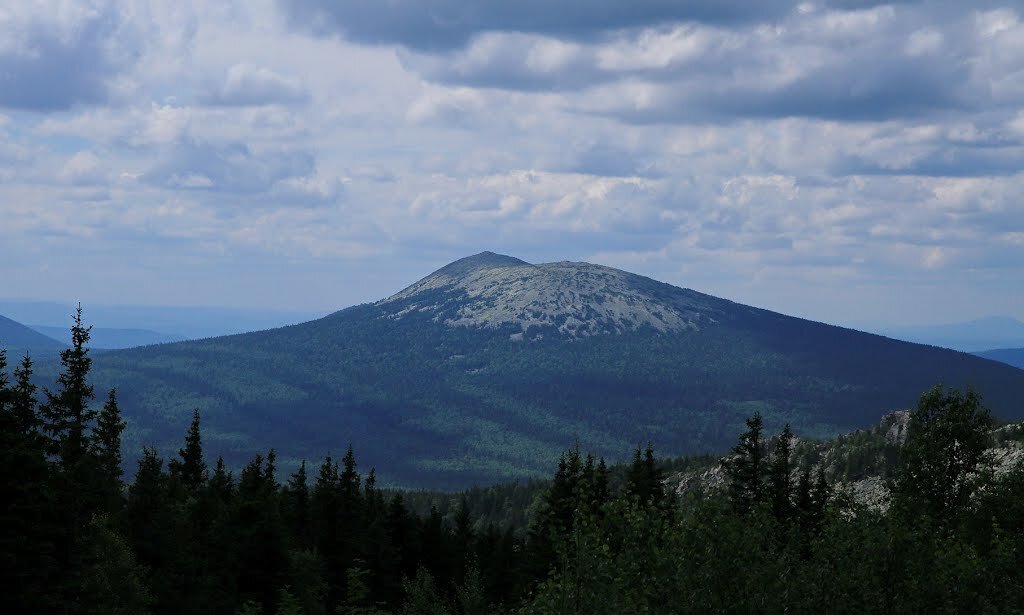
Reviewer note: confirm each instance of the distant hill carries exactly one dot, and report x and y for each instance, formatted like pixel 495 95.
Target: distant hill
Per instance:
pixel 182 322
pixel 19 339
pixel 114 339
pixel 1010 356
pixel 971 336
pixel 490 367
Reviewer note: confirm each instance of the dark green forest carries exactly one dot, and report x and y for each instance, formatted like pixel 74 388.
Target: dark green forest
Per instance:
pixel 433 406
pixel 189 535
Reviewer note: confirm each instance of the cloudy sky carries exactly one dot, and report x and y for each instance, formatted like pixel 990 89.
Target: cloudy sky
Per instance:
pixel 845 160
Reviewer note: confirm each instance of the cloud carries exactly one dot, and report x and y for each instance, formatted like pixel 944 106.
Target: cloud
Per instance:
pixel 58 55
pixel 873 63
pixel 825 158
pixel 232 167
pixel 83 168
pixel 436 25
pixel 247 85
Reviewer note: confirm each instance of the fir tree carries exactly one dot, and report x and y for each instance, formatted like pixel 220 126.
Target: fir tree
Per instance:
pixel 780 483
pixel 106 445
pixel 27 527
pixel 66 414
pixel 296 509
pixel 745 467
pixel 24 405
pixel 644 479
pixel 67 424
pixel 191 468
pixel 150 528
pixel 259 540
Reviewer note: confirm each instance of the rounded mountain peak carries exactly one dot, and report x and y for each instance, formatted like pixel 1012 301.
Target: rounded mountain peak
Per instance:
pixel 571 299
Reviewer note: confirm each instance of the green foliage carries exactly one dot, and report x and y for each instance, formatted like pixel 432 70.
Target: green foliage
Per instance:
pixel 422 596
pixel 944 462
pixel 112 581
pixel 190 469
pixel 745 467
pixel 599 540
pixel 447 408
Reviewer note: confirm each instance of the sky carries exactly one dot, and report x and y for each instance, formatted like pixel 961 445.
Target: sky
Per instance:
pixel 848 161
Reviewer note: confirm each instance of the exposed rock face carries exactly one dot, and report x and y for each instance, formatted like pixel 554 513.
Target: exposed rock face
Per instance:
pixel 571 299
pixel 897 422
pixel 873 448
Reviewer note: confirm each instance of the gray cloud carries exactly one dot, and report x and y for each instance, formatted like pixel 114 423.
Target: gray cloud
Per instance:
pixel 877 62
pixel 434 25
pixel 234 167
pixel 821 158
pixel 46 66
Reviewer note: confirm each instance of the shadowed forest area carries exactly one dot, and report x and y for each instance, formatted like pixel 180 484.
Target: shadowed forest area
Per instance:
pixel 189 535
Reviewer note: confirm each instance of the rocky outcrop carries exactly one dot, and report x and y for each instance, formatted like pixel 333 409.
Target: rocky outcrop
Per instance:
pixel 565 298
pixel 858 463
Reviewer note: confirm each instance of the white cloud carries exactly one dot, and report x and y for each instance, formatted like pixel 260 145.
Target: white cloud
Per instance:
pixel 786 155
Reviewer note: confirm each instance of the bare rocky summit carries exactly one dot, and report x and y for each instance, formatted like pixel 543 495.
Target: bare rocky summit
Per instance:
pixel 568 298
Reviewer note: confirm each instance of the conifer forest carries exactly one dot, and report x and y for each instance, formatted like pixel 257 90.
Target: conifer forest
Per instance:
pixel 80 533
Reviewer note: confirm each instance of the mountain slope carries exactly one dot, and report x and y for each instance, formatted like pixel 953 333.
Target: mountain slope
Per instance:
pixel 1010 356
pixel 18 339
pixel 490 367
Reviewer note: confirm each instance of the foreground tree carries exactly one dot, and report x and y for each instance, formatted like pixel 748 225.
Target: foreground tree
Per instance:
pixel 67 415
pixel 106 448
pixel 745 468
pixel 944 462
pixel 190 469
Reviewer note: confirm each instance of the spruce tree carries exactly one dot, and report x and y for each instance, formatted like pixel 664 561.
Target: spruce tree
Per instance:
pixel 67 415
pixel 191 468
pixel 296 510
pixel 106 448
pixel 644 479
pixel 780 483
pixel 150 528
pixel 259 541
pixel 28 524
pixel 67 424
pixel 24 405
pixel 745 467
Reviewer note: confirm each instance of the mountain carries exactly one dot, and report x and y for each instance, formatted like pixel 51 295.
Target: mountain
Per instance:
pixel 490 367
pixel 1010 356
pixel 19 339
pixel 112 339
pixel 971 336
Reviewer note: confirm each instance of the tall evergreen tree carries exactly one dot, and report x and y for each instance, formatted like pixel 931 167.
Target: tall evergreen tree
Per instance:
pixel 296 508
pixel 24 405
pixel 190 469
pixel 259 534
pixel 780 482
pixel 150 524
pixel 67 415
pixel 67 420
pixel 106 448
pixel 745 467
pixel 28 525
pixel 351 535
pixel 644 479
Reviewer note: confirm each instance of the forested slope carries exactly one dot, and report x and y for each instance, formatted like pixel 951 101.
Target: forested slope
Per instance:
pixel 448 394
